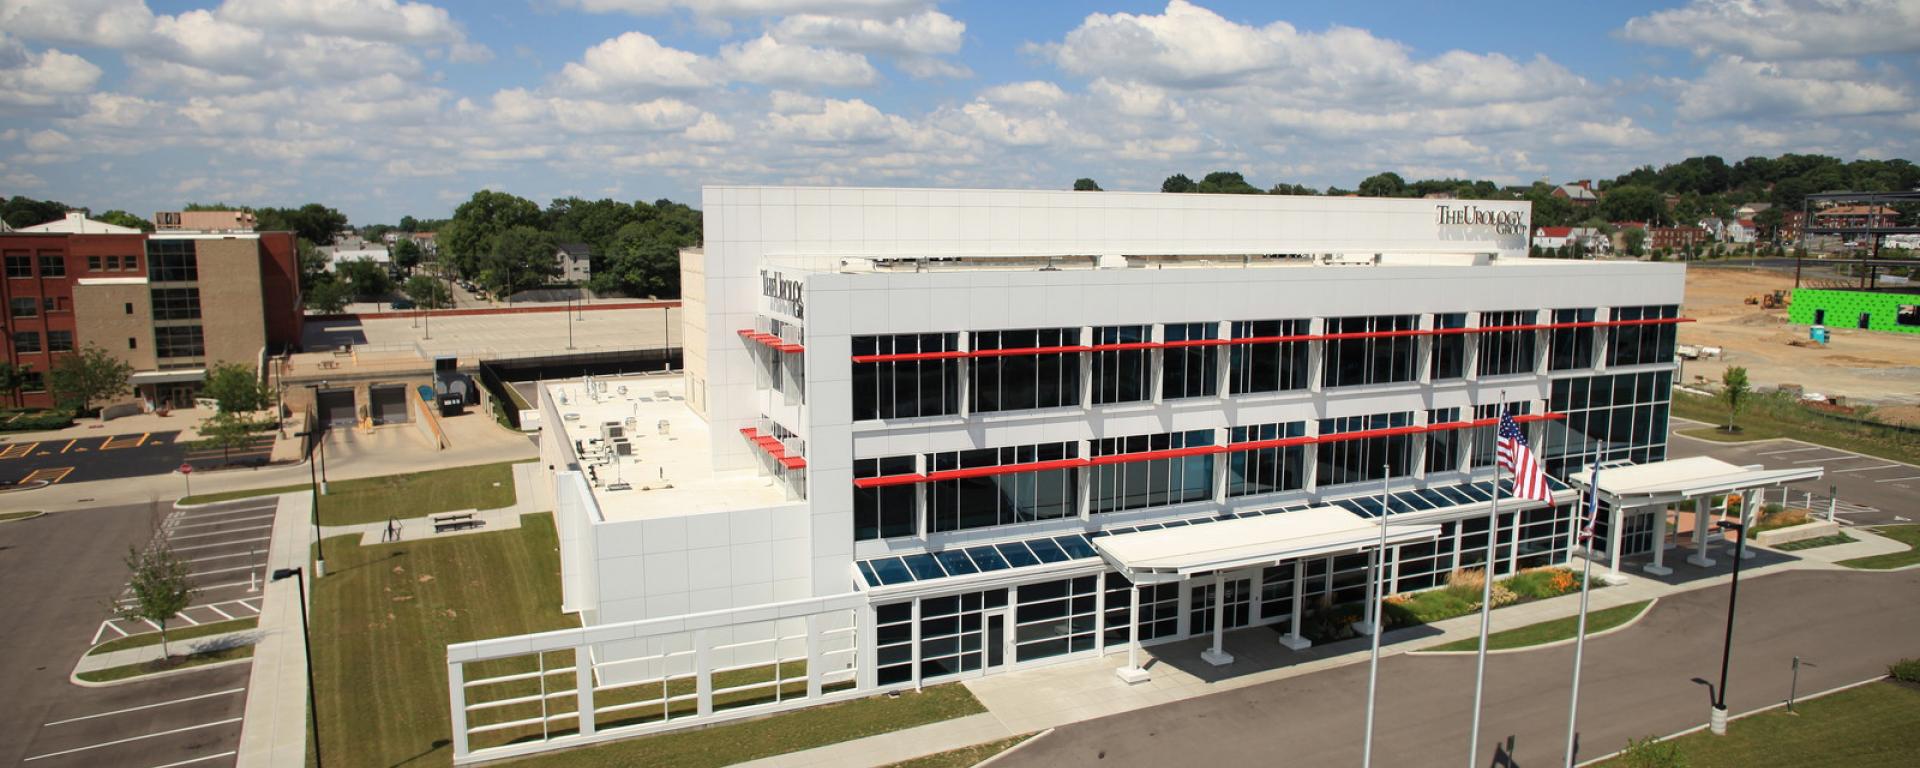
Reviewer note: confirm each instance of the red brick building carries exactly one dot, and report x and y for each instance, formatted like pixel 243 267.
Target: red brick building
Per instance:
pixel 1676 238
pixel 169 304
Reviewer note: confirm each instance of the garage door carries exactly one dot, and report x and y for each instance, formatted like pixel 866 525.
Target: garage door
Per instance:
pixel 336 407
pixel 390 404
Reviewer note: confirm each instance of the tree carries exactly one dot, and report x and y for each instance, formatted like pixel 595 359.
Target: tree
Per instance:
pixel 329 296
pixel 80 379
pixel 1734 389
pixel 427 292
pixel 1387 184
pixel 1284 188
pixel 161 588
pixel 1086 185
pixel 237 388
pixel 406 254
pixel 13 378
pixel 1635 240
pixel 643 258
pixel 366 279
pixel 1177 183
pixel 21 211
pixel 522 258
pixel 1549 210
pixel 312 221
pixel 225 431
pixel 1226 182
pixel 1634 203
pixel 594 222
pixel 479 221
pixel 121 218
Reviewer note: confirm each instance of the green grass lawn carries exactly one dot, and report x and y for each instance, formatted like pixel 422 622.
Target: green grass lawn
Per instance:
pixel 1819 541
pixel 5 516
pixel 1905 534
pixel 175 635
pixel 176 662
pixel 964 757
pixel 1550 631
pixel 384 614
pixel 1865 727
pixel 372 499
pixel 1769 416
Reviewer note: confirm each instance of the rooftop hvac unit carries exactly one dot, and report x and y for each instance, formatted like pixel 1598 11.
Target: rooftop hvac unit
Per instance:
pixel 623 447
pixel 612 430
pixel 665 427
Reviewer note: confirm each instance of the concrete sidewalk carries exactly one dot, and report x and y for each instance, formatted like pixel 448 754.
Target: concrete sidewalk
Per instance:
pixel 274 732
pixel 1029 701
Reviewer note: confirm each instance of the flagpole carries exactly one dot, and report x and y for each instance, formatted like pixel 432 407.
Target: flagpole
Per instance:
pixel 1586 581
pixel 1486 593
pixel 1379 619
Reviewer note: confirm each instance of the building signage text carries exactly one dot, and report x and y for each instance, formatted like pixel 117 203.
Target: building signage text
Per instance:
pixel 785 296
pixel 1503 222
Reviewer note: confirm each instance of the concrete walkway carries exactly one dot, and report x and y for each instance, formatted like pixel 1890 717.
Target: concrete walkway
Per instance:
pixel 1033 700
pixel 274 732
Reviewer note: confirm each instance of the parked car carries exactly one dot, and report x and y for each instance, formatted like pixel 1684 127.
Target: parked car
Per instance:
pixel 403 304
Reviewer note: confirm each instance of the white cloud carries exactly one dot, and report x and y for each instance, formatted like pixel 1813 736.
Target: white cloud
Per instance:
pixel 738 8
pixel 635 60
pixel 375 19
pixel 1032 93
pixel 924 33
pixel 107 23
pixel 1734 87
pixel 48 141
pixel 1134 99
pixel 829 120
pixel 709 130
pixel 1784 29
pixel 37 79
pixel 519 106
pixel 769 61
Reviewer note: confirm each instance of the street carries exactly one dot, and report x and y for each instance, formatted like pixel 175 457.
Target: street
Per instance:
pixel 1638 682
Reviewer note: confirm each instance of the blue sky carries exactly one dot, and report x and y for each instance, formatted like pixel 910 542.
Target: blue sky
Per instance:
pixel 391 107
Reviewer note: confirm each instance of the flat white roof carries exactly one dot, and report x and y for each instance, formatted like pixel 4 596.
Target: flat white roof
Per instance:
pixel 670 471
pixel 1249 541
pixel 1691 476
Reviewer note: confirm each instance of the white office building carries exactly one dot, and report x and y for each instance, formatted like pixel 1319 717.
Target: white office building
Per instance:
pixel 929 434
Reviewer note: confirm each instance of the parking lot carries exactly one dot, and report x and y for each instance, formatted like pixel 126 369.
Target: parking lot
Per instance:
pixel 62 566
pixel 81 459
pixel 1871 490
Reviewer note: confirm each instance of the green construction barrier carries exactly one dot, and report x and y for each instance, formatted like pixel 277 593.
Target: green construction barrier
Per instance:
pixel 1897 312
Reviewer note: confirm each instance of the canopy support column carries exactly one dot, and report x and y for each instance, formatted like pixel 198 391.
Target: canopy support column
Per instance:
pixel 1613 575
pixel 1132 673
pixel 1699 556
pixel 1217 655
pixel 1293 640
pixel 1751 505
pixel 1658 567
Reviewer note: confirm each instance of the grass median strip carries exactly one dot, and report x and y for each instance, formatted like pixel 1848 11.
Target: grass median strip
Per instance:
pixel 5 516
pixel 1770 415
pixel 372 499
pixel 172 663
pixel 1550 631
pixel 1819 541
pixel 1905 534
pixel 175 635
pixel 964 757
pixel 1865 727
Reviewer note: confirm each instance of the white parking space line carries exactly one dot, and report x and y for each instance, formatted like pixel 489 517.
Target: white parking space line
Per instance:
pixel 1841 457
pixel 1863 469
pixel 224 512
pixel 191 574
pixel 220 522
pixel 228 692
pixel 1789 450
pixel 191 761
pixel 178 550
pixel 223 614
pixel 220 533
pixel 1898 479
pixel 131 739
pixel 249 553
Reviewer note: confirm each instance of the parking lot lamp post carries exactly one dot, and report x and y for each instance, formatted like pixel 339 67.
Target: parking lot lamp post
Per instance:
pixel 306 637
pixel 1718 721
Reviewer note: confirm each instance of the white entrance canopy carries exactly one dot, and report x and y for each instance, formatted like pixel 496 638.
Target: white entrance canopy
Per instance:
pixel 1268 539
pixel 1680 479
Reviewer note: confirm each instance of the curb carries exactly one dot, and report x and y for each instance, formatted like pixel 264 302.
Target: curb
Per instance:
pixel 36 485
pixel 203 505
pixel 1554 644
pixel 75 676
pixel 1010 750
pixel 36 513
pixel 1742 716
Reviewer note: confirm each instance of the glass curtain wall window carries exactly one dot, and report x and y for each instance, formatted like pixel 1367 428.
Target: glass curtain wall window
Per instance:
pixel 1055 617
pixel 1190 371
pixel 183 341
pixel 1273 367
pixel 1642 344
pixel 908 388
pixel 1154 482
pixel 952 632
pixel 1443 447
pixel 1267 470
pixel 1360 460
pixel 1505 353
pixel 1122 375
pixel 1159 610
pixel 981 502
pixel 1020 382
pixel 1485 437
pixel 1628 411
pixel 886 512
pixel 893 635
pixel 1571 348
pixel 1450 349
pixel 172 261
pixel 1384 360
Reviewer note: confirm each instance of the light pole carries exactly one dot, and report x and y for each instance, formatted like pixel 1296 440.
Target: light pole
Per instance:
pixel 570 324
pixel 1718 721
pixel 313 706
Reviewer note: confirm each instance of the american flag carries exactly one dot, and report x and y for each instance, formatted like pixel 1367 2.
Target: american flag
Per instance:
pixel 1529 479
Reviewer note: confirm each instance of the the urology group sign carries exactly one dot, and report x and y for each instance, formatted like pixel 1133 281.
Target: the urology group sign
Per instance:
pixel 784 296
pixel 1502 222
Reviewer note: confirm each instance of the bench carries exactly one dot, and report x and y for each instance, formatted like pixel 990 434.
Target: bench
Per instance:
pixel 448 519
pixel 458 525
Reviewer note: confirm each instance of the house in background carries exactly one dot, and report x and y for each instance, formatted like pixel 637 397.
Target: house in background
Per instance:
pixel 575 261
pixel 1742 231
pixel 1580 193
pixel 429 244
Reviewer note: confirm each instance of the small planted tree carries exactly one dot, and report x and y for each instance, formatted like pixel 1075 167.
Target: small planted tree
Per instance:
pixel 81 379
pixel 1735 390
pixel 237 388
pixel 225 431
pixel 426 292
pixel 13 378
pixel 159 586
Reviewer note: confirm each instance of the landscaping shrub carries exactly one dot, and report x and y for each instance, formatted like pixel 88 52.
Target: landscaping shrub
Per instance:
pixel 34 421
pixel 1538 583
pixel 1905 670
pixel 1775 518
pixel 1651 752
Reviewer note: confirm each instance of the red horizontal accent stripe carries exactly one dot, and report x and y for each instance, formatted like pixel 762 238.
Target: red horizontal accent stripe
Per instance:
pixel 769 340
pixel 1025 351
pixel 908 357
pixel 774 448
pixel 1174 453
pixel 793 462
